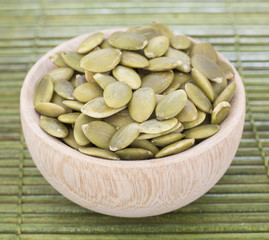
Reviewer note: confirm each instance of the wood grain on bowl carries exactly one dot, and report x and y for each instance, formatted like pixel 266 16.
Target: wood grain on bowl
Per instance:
pixel 129 188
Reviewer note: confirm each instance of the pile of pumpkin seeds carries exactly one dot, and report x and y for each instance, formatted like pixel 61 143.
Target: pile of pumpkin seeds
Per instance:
pixel 138 94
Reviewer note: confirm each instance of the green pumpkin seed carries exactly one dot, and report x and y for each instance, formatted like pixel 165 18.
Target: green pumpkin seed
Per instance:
pixel 184 62
pixel 176 147
pixel 87 91
pixel 98 152
pixel 105 44
pixel 165 140
pixel 79 80
pixel 99 133
pixel 68 117
pixel 124 136
pixel 176 83
pixel 133 59
pixel 64 89
pixel 44 90
pixel 220 112
pixel 119 119
pixel 62 73
pixel 134 154
pixel 97 108
pixel 103 80
pixel 197 96
pixel 203 83
pixel 226 95
pixel 154 126
pixel 163 29
pixel 180 42
pixel 75 105
pixel 219 87
pixel 157 47
pixel 101 60
pixel 140 111
pixel 145 144
pixel 128 76
pixel 182 78
pixel 117 94
pixel 89 76
pixel 158 81
pixel 127 40
pixel 53 127
pixel 200 119
pixel 208 68
pixel 171 105
pixel 59 101
pixel 159 97
pixel 79 136
pixel 72 59
pixel 49 109
pixel 73 80
pixel 163 64
pixel 91 42
pixel 226 69
pixel 203 131
pixel 70 140
pixel 188 114
pixel 205 49
pixel 57 59
pixel 147 32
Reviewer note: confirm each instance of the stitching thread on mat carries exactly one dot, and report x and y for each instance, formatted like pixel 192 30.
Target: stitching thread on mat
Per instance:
pixel 40 23
pixel 240 70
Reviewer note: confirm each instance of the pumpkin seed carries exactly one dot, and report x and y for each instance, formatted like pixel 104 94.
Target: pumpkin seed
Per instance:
pixel 124 136
pixel 163 64
pixel 203 83
pixel 103 80
pixel 91 42
pixel 87 91
pixel 205 49
pixel 64 89
pixel 219 87
pixel 173 86
pixel 128 76
pixel 75 105
pixel 207 67
pixel 203 131
pixel 133 59
pixel 198 97
pixel 200 119
pixel 220 112
pixel 180 42
pixel 140 111
pixel 117 94
pixel 79 80
pixel 154 126
pixel 119 119
pixel 158 81
pixel 105 44
pixel 72 59
pixel 158 98
pixel 70 140
pixel 165 140
pixel 147 32
pixel 68 117
pixel 171 105
pixel 98 152
pixel 62 73
pixel 49 109
pixel 226 69
pixel 59 101
pixel 163 29
pixel 157 47
pixel 89 76
pixel 184 62
pixel 57 59
pixel 44 90
pixel 79 136
pixel 145 144
pixel 189 113
pixel 176 147
pixel 53 127
pixel 97 108
pixel 182 78
pixel 127 40
pixel 134 154
pixel 226 95
pixel 101 60
pixel 99 133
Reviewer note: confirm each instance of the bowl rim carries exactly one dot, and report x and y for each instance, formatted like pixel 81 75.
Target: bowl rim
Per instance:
pixel 31 117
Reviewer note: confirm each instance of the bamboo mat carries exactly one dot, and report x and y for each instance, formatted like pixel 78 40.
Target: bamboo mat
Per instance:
pixel 236 208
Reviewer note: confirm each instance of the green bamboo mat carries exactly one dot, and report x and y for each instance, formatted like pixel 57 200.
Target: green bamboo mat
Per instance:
pixel 236 208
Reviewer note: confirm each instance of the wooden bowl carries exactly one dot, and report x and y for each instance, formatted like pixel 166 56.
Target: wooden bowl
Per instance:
pixel 128 188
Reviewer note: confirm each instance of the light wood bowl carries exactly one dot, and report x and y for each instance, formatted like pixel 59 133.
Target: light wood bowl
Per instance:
pixel 128 188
